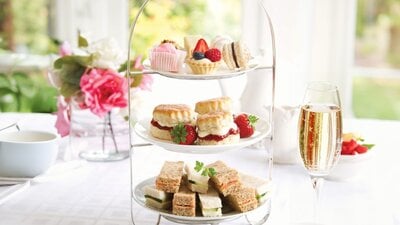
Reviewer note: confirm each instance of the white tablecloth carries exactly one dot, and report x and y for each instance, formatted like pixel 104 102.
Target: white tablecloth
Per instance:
pixel 98 193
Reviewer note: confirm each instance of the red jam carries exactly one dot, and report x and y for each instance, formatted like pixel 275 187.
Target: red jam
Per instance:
pixel 156 124
pixel 213 137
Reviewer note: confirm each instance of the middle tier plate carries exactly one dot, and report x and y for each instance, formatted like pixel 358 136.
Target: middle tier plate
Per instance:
pixel 142 129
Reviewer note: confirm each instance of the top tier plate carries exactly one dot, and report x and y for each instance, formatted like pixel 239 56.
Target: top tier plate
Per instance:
pixel 221 73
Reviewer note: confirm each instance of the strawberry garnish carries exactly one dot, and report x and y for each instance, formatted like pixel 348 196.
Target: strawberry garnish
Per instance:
pixel 352 145
pixel 246 124
pixel 201 46
pixel 214 55
pixel 184 134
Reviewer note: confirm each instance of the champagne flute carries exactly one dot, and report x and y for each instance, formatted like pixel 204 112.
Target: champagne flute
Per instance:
pixel 320 133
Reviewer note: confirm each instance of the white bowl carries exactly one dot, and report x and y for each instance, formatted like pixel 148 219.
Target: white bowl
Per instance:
pixel 27 153
pixel 352 167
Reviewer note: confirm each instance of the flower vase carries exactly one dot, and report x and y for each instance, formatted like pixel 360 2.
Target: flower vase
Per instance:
pixel 98 139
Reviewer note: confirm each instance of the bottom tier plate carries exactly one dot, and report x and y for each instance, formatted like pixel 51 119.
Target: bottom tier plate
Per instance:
pixel 227 213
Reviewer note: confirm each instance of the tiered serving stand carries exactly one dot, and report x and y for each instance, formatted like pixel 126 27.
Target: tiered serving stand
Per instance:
pixel 250 156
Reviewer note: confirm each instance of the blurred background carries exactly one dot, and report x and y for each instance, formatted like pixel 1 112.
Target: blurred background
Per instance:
pixel 354 43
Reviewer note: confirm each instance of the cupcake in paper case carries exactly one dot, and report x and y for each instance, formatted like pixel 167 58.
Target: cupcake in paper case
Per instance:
pixel 236 55
pixel 202 66
pixel 165 57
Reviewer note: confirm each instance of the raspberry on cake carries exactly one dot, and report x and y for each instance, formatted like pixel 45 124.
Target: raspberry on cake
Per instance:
pixel 204 60
pixel 217 128
pixel 221 104
pixel 166 116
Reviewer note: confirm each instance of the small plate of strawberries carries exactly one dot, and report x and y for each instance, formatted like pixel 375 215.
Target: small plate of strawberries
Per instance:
pixel 355 158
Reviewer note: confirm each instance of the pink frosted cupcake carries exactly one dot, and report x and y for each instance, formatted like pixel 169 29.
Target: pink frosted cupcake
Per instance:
pixel 165 57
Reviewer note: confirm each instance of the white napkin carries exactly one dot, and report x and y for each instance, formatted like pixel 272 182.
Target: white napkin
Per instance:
pixel 7 192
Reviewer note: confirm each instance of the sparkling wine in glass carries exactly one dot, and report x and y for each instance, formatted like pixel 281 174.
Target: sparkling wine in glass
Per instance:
pixel 320 132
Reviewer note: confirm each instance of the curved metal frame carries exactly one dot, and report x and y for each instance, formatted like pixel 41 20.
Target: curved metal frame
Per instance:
pixel 129 73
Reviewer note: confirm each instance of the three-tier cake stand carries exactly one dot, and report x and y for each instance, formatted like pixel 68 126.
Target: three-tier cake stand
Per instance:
pixel 250 156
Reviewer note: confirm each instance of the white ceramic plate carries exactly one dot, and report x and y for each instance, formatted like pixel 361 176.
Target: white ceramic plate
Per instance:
pixel 218 74
pixel 142 128
pixel 227 214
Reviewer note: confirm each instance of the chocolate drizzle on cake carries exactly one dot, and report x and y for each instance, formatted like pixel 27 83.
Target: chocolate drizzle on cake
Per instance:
pixel 234 54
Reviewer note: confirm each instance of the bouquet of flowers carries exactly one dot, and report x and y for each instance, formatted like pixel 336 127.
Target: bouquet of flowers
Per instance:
pixel 93 77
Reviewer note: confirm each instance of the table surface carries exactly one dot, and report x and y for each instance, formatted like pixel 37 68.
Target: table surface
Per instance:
pixel 98 193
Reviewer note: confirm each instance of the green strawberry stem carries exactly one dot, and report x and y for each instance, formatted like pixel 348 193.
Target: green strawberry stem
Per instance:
pixel 179 133
pixel 252 120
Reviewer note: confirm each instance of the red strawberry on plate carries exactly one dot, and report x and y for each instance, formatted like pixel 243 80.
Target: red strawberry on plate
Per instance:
pixel 246 124
pixel 213 54
pixel 184 134
pixel 201 46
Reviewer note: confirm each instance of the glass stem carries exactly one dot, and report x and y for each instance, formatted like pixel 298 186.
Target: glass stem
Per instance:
pixel 112 132
pixel 317 183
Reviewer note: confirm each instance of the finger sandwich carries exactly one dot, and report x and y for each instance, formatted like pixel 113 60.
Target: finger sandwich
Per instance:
pixel 156 198
pixel 196 182
pixel 243 200
pixel 170 177
pixel 166 116
pixel 217 128
pixel 221 104
pixel 210 203
pixel 226 179
pixel 184 202
pixel 262 187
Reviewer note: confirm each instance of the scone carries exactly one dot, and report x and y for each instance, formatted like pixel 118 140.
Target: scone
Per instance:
pixel 221 104
pixel 217 128
pixel 236 55
pixel 166 116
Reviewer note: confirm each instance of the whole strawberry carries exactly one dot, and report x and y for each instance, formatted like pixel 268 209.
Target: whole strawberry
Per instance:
pixel 246 124
pixel 184 134
pixel 213 54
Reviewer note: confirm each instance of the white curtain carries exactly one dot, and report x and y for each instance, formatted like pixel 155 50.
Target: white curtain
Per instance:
pixel 96 18
pixel 314 41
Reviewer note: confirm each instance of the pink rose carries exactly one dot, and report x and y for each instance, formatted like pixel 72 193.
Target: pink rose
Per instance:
pixel 63 117
pixel 65 49
pixel 103 90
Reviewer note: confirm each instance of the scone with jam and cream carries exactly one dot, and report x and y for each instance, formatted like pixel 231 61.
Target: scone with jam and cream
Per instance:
pixel 166 116
pixel 221 104
pixel 216 128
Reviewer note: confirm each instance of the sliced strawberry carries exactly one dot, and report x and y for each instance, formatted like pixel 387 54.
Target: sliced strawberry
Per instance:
pixel 361 149
pixel 345 150
pixel 246 124
pixel 201 46
pixel 184 134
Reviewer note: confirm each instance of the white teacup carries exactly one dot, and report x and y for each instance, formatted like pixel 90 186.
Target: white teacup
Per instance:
pixel 285 135
pixel 27 153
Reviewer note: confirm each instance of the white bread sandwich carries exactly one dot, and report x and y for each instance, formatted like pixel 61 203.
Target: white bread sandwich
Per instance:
pixel 196 182
pixel 217 128
pixel 262 187
pixel 184 202
pixel 221 104
pixel 225 180
pixel 166 116
pixel 243 200
pixel 170 177
pixel 210 203
pixel 156 198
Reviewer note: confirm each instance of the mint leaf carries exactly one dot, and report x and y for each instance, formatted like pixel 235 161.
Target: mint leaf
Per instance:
pixel 252 119
pixel 369 146
pixel 211 172
pixel 199 166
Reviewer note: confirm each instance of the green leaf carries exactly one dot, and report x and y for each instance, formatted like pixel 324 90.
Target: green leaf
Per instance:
pixel 8 100
pixel 73 59
pixel 25 84
pixel 369 146
pixel 199 166
pixel 179 133
pixel 82 42
pixel 252 119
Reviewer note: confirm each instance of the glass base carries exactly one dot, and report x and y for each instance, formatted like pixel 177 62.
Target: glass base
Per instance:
pixel 98 156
